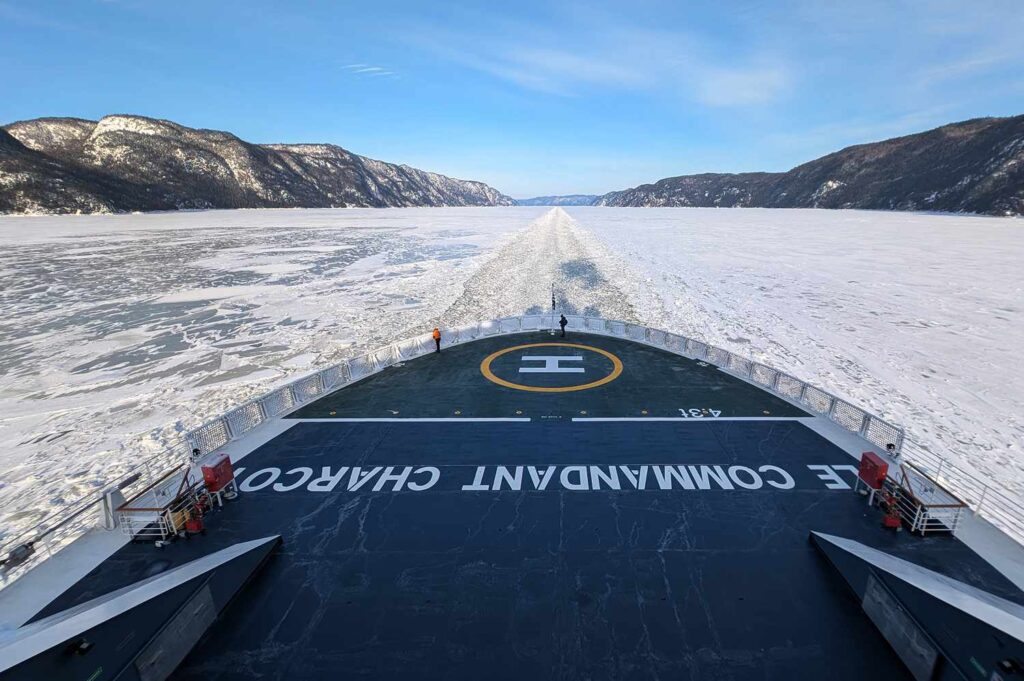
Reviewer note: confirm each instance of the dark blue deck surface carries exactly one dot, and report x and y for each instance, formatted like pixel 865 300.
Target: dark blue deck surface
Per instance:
pixel 571 581
pixel 653 382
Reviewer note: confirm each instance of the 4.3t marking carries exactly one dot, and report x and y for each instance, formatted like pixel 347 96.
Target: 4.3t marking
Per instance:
pixel 700 413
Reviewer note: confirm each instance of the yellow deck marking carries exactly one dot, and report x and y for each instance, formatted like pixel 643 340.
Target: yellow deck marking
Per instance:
pixel 485 369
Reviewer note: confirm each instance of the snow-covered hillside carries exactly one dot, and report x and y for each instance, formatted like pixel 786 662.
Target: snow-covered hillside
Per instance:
pixel 127 163
pixel 118 333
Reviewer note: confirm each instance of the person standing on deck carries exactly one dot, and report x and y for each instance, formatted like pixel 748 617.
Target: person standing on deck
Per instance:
pixel 437 339
pixel 562 323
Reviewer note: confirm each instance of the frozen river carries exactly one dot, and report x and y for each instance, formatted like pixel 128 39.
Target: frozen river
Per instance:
pixel 118 333
pixel 918 317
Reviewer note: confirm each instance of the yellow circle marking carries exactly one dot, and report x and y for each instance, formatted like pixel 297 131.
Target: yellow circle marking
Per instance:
pixel 485 368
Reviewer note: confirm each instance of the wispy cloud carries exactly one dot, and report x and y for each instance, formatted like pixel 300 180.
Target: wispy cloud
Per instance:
pixel 745 86
pixel 971 65
pixel 611 57
pixel 926 43
pixel 369 71
pixel 754 61
pixel 548 70
pixel 816 140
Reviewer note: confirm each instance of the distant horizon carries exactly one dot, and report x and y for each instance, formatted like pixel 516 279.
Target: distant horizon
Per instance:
pixel 531 99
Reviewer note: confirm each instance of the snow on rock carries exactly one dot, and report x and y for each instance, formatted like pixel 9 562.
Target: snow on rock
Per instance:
pixel 903 173
pixel 133 163
pixel 825 188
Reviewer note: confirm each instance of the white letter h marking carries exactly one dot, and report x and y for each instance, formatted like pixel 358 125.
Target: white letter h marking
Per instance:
pixel 551 364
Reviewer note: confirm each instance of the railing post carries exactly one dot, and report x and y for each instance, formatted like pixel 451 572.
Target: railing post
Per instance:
pixel 227 428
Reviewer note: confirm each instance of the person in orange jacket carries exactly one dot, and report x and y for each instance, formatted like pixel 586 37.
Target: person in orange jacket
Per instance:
pixel 437 339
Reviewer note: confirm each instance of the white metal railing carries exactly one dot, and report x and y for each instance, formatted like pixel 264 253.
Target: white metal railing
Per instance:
pixel 63 526
pixel 924 504
pixel 1003 508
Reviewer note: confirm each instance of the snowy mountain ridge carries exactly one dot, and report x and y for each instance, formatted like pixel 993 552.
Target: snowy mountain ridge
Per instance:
pixel 132 163
pixel 974 166
pixel 565 200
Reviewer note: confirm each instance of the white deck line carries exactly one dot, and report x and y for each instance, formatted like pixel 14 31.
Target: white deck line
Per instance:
pixel 691 419
pixel 453 419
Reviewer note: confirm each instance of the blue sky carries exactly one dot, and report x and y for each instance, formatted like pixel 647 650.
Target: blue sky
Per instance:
pixel 531 97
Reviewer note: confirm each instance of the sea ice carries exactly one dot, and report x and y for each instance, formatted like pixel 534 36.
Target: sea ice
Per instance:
pixel 917 317
pixel 119 333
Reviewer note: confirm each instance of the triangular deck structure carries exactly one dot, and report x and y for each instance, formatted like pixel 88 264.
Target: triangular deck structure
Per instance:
pixel 142 631
pixel 932 621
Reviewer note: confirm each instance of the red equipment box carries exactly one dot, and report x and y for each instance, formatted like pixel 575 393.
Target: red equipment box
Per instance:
pixel 873 470
pixel 218 474
pixel 194 525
